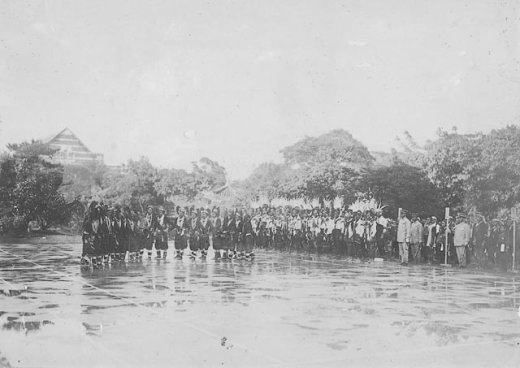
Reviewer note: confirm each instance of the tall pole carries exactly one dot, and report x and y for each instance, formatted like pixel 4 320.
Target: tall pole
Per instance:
pixel 514 216
pixel 447 216
pixel 514 243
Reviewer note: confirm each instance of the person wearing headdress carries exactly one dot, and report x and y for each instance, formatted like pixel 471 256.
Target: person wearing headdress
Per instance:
pixel 217 236
pixel 314 227
pixel 262 228
pixel 349 232
pixel 205 232
pixel 416 238
pixel 161 228
pixel 338 231
pixel 434 230
pixel 278 222
pixel 245 247
pixel 329 229
pixel 91 237
pixel 371 229
pixel 297 230
pixel 148 226
pixel 270 227
pixel 403 237
pixel 255 222
pixel 181 233
pixel 120 233
pixel 135 235
pixel 237 240
pixel 194 234
pixel 230 230
pixel 109 234
pixel 381 231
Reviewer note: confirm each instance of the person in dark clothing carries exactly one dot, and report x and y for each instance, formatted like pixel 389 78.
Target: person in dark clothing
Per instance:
pixel 181 233
pixel 480 236
pixel 91 238
pixel 161 227
pixel 246 245
pixel 121 235
pixel 148 226
pixel 217 236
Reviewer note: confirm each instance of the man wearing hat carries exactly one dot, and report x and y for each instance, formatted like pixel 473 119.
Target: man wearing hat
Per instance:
pixel 403 237
pixel 461 238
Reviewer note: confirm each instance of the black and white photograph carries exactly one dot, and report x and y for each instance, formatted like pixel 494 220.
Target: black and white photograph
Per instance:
pixel 259 183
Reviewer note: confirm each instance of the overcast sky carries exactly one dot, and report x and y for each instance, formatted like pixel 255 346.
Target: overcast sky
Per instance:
pixel 238 80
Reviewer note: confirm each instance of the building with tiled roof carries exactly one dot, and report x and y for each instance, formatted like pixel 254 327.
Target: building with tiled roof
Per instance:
pixel 72 151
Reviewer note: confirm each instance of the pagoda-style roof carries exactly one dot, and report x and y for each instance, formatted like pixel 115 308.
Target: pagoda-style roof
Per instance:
pixel 71 149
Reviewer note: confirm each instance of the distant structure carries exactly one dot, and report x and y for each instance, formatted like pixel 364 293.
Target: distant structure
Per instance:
pixel 72 151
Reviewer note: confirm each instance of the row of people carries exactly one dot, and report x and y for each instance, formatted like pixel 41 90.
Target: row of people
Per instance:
pixel 479 242
pixel 111 233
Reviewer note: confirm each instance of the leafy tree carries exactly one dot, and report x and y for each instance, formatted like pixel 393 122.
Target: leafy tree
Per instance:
pixel 402 185
pixel 82 181
pixel 30 182
pixel 173 182
pixel 334 149
pixel 208 174
pixel 450 160
pixel 315 167
pixel 326 166
pixel 133 185
pixel 267 179
pixel 493 176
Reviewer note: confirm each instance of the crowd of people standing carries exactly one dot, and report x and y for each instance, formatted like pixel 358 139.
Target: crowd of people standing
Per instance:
pixel 483 244
pixel 112 234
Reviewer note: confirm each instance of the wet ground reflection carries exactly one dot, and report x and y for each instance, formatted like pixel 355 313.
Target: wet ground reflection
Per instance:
pixel 280 310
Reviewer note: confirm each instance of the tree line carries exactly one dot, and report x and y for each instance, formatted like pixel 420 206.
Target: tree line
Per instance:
pixel 476 172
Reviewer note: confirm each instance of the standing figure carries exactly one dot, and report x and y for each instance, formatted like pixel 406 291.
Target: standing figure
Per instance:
pixel 416 238
pixel 148 231
pixel 217 235
pixel 246 247
pixel 381 231
pixel 263 236
pixel 461 238
pixel 205 229
pixel 338 231
pixel 181 233
pixel 161 228
pixel 278 229
pixel 230 232
pixel 431 241
pixel 109 235
pixel 121 234
pixel 403 237
pixel 134 235
pixel 92 242
pixel 194 234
